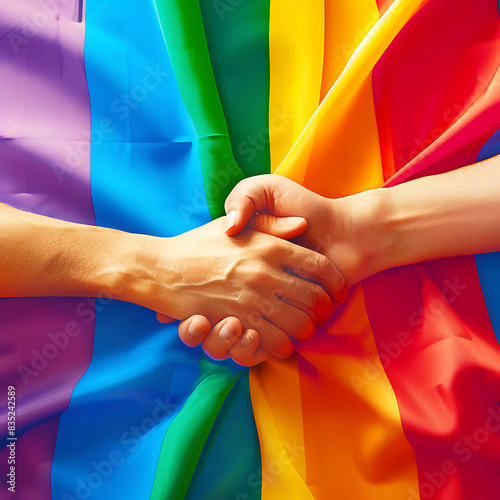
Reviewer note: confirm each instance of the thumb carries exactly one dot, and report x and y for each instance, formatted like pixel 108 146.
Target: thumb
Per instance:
pixel 238 215
pixel 250 195
pixel 258 194
pixel 281 227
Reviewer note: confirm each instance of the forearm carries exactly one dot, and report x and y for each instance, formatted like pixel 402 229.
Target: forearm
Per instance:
pixel 446 215
pixel 42 256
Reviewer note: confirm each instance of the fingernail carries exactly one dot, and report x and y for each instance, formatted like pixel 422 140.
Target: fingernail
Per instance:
pixel 227 332
pixel 195 331
pixel 292 221
pixel 247 339
pixel 230 220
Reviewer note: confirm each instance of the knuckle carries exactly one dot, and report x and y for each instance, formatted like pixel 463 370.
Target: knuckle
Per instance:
pixel 285 350
pixel 294 284
pixel 280 346
pixel 268 307
pixel 320 299
pixel 323 264
pixel 262 223
pixel 254 319
pixel 276 247
pixel 266 245
pixel 343 287
pixel 305 328
pixel 276 295
pixel 256 274
pixel 214 353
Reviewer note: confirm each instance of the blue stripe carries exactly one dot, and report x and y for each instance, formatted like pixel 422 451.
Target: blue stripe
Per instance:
pixel 146 178
pixel 488 265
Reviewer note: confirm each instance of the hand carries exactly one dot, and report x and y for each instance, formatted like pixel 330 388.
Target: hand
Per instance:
pixel 226 339
pixel 337 228
pixel 247 276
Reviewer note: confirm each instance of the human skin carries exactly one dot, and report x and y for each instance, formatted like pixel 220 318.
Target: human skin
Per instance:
pixel 446 215
pixel 201 271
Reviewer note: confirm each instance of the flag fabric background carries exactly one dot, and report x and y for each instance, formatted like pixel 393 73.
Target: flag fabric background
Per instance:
pixel 142 116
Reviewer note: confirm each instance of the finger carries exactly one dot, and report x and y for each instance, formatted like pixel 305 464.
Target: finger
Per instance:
pixel 252 195
pixel 247 351
pixel 318 318
pixel 236 220
pixel 163 318
pixel 315 266
pixel 281 227
pixel 308 296
pixel 295 322
pixel 222 337
pixel 193 330
pixel 290 320
pixel 274 340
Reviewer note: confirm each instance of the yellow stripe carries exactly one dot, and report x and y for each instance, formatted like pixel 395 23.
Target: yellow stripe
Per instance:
pixel 342 135
pixel 354 445
pixel 347 22
pixel 275 391
pixel 296 61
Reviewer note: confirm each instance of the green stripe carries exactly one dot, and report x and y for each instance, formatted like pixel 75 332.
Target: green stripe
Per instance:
pixel 238 40
pixel 238 93
pixel 233 442
pixel 187 434
pixel 184 35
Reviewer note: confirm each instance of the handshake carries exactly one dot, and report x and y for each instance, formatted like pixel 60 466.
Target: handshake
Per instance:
pixel 244 291
pixel 273 270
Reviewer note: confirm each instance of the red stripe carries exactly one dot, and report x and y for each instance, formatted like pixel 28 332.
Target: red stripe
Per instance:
pixel 437 66
pixel 445 373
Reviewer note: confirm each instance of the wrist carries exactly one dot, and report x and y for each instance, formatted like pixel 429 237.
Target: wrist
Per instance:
pixel 364 234
pixel 145 275
pixel 103 263
pixel 382 242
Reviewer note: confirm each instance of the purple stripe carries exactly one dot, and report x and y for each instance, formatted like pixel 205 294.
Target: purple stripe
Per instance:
pixel 45 344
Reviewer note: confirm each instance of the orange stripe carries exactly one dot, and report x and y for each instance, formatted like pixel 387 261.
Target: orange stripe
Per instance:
pixel 353 434
pixel 341 139
pixel 326 399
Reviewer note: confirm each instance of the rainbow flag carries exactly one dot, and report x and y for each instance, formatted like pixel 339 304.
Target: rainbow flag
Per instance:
pixel 142 116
